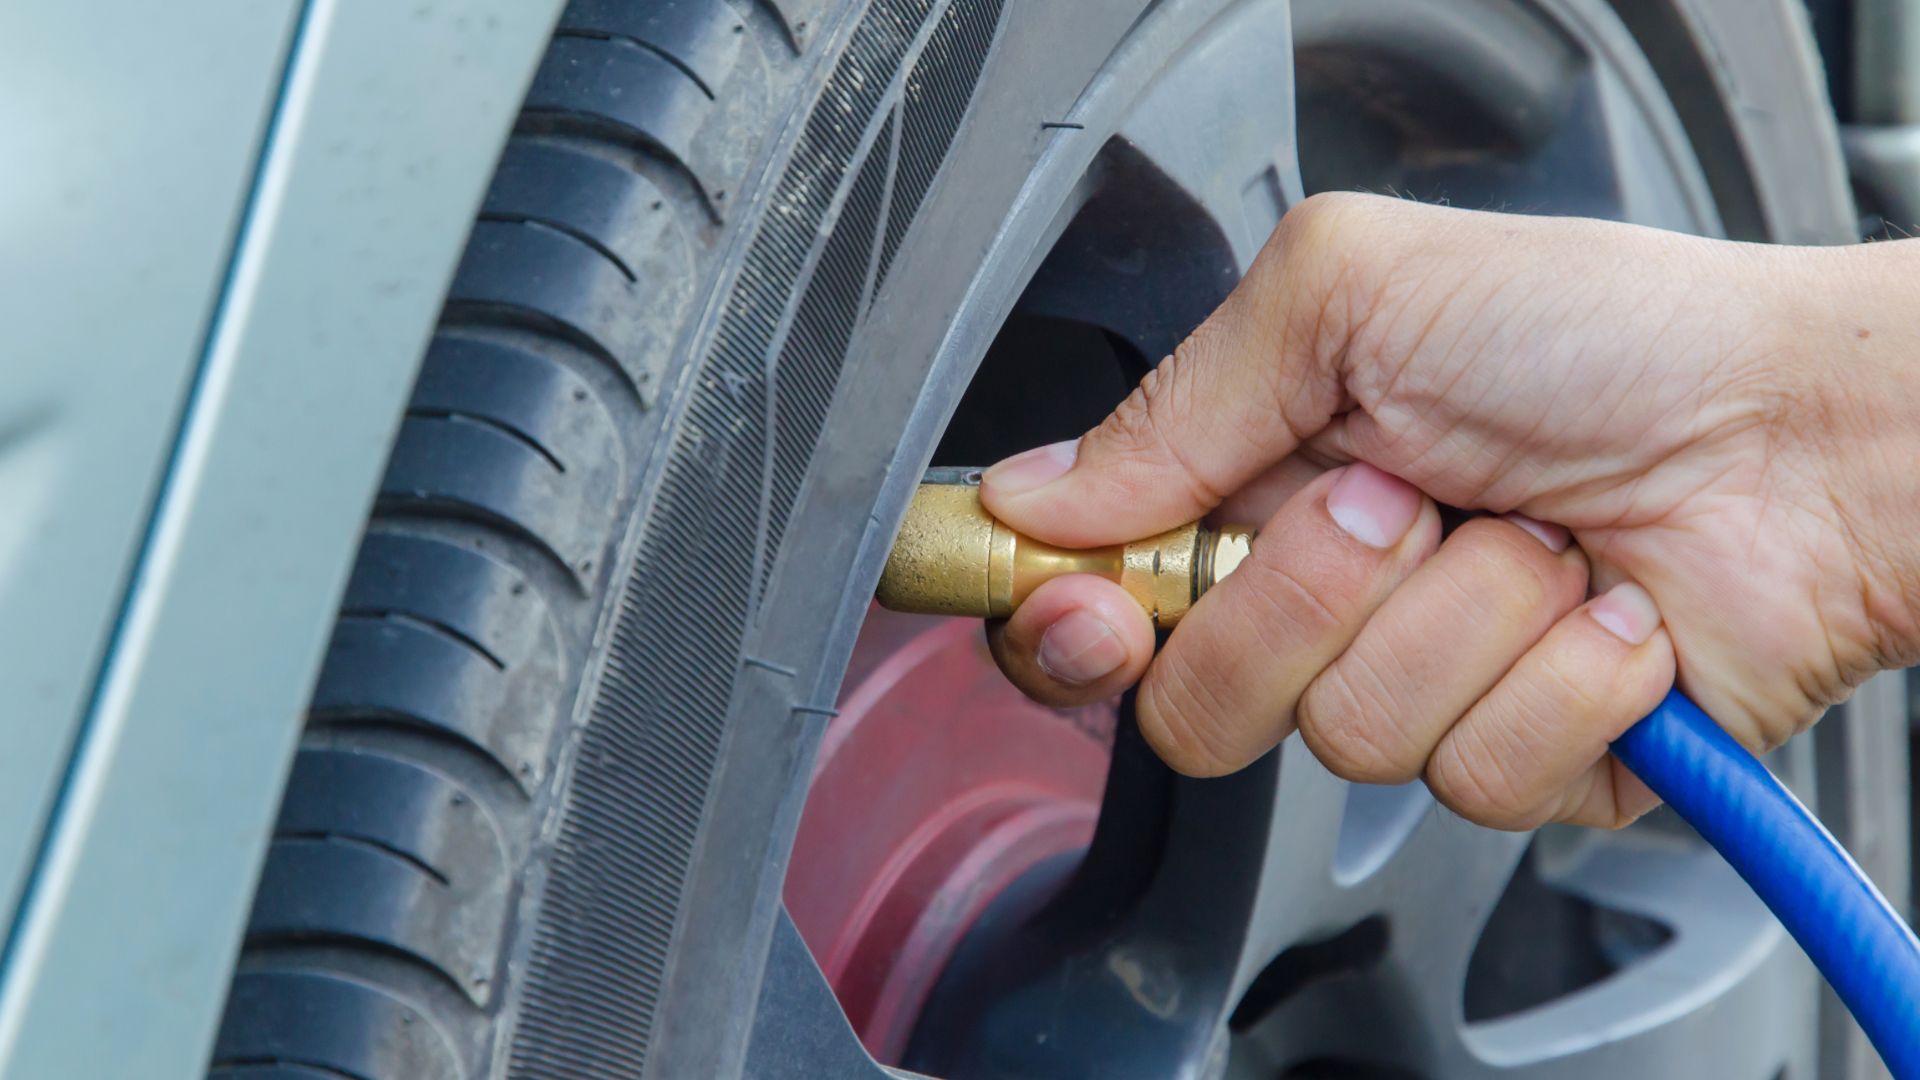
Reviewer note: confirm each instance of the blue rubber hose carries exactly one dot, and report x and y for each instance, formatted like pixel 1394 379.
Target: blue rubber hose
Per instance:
pixel 1856 939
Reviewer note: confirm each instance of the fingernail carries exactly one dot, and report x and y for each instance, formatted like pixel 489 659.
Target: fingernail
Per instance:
pixel 1375 508
pixel 1554 536
pixel 1080 649
pixel 1627 612
pixel 1034 468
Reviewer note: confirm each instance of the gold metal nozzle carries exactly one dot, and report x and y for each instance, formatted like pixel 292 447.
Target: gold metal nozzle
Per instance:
pixel 953 558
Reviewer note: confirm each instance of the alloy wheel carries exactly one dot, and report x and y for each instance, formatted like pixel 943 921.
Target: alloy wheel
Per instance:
pixel 971 918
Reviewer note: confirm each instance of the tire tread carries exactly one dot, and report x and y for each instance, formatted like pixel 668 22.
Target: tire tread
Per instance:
pixel 434 726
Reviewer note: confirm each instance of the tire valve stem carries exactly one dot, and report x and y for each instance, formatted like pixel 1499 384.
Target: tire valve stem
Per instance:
pixel 953 558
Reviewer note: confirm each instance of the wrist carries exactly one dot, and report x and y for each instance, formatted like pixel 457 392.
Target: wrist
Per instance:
pixel 1859 349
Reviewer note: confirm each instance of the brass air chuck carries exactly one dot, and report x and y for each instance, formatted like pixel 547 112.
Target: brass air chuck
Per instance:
pixel 953 558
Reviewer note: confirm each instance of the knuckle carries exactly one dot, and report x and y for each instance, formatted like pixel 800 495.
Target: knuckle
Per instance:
pixel 1324 269
pixel 1206 346
pixel 1472 779
pixel 1182 719
pixel 1163 394
pixel 1618 817
pixel 1222 361
pixel 1348 731
pixel 1306 601
pixel 1498 539
pixel 1330 238
pixel 1321 221
pixel 1129 427
pixel 1565 689
pixel 1501 556
pixel 1139 432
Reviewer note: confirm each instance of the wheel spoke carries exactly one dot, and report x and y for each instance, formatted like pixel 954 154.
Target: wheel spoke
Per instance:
pixel 1144 953
pixel 1429 897
pixel 1673 198
pixel 1132 962
pixel 1338 853
pixel 1300 898
pixel 1721 997
pixel 799 1031
pixel 1186 190
pixel 1219 125
pixel 1436 895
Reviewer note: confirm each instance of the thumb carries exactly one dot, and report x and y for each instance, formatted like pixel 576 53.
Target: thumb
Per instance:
pixel 1254 380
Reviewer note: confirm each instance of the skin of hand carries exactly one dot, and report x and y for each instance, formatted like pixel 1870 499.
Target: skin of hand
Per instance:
pixel 1695 459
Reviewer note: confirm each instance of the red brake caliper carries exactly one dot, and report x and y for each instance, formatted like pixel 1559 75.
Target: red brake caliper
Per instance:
pixel 936 787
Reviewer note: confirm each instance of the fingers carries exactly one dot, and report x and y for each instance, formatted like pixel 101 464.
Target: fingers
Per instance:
pixel 1437 646
pixel 1237 396
pixel 1075 641
pixel 1534 749
pixel 1223 690
pixel 1475 666
pixel 1264 495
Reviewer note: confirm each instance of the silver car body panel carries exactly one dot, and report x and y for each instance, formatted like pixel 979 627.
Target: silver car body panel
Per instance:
pixel 219 277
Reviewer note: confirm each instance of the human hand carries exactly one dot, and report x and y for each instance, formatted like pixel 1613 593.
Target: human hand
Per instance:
pixel 1722 436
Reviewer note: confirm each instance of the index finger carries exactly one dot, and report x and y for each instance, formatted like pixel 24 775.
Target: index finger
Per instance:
pixel 1224 689
pixel 1256 378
